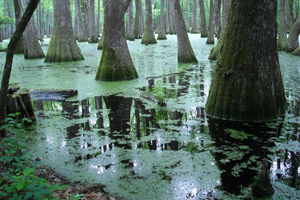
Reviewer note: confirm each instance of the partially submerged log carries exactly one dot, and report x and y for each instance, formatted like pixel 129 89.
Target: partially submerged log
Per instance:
pixel 51 94
pixel 18 101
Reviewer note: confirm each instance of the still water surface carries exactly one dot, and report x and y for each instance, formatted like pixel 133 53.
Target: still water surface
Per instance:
pixel 149 138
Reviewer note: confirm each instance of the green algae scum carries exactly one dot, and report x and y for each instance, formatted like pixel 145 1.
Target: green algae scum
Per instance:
pixel 150 138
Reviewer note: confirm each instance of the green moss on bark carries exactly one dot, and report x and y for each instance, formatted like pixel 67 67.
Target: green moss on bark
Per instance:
pixel 296 52
pixel 111 69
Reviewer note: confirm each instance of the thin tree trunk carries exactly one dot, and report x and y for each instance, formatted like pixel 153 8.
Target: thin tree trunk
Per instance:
pixel 195 28
pixel 80 32
pixel 187 16
pixel 130 30
pixel 282 39
pixel 18 14
pixel 185 50
pixel 218 19
pixel 98 19
pixel 93 36
pixel 293 42
pixel 148 37
pixel 212 19
pixel 161 23
pixel 138 25
pixel 9 59
pixel 204 32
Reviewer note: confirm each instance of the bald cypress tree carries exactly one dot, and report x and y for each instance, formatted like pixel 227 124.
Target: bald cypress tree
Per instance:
pixel 63 46
pixel 247 83
pixel 116 63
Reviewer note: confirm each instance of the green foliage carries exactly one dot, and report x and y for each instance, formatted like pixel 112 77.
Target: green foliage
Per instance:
pixel 18 179
pixel 5 20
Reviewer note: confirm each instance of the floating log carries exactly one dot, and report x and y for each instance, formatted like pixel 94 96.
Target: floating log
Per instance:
pixel 51 94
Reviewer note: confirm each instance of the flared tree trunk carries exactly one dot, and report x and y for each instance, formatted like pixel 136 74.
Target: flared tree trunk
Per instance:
pixel 195 28
pixel 161 23
pixel 282 39
pixel 32 45
pixel 215 51
pixel 247 83
pixel 187 16
pixel 80 29
pixel 138 23
pixel 203 29
pixel 293 42
pixel 116 63
pixel 148 36
pixel 18 14
pixel 130 31
pixel 185 51
pixel 93 36
pixel 63 46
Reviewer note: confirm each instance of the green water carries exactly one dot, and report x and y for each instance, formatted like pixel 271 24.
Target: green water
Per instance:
pixel 149 138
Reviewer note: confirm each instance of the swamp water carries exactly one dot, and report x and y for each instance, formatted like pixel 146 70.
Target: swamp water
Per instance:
pixel 149 138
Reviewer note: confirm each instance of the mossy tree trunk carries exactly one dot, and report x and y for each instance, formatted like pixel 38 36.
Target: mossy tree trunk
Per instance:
pixel 32 45
pixel 185 50
pixel 161 23
pixel 215 51
pixel 9 59
pixel 282 39
pixel 93 36
pixel 203 29
pixel 247 83
pixel 138 23
pixel 148 36
pixel 293 42
pixel 116 63
pixel 80 32
pixel 63 46
pixel 195 28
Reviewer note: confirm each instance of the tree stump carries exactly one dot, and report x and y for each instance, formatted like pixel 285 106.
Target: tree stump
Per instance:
pixel 19 101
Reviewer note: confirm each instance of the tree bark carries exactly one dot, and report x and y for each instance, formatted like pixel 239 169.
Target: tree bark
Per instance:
pixel 218 19
pixel 185 50
pixel 282 39
pixel 212 19
pixel 293 42
pixel 215 51
pixel 40 24
pixel 187 16
pixel 148 36
pixel 138 23
pixel 116 63
pixel 9 59
pixel 161 23
pixel 63 46
pixel 93 36
pixel 247 83
pixel 18 14
pixel 32 46
pixel 80 32
pixel 195 28
pixel 130 31
pixel 204 32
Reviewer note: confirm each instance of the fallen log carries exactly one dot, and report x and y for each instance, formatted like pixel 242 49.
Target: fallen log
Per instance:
pixel 51 94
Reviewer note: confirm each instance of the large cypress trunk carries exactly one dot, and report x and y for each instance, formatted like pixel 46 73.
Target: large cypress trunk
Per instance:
pixel 293 42
pixel 185 51
pixel 148 37
pixel 247 83
pixel 116 63
pixel 63 46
